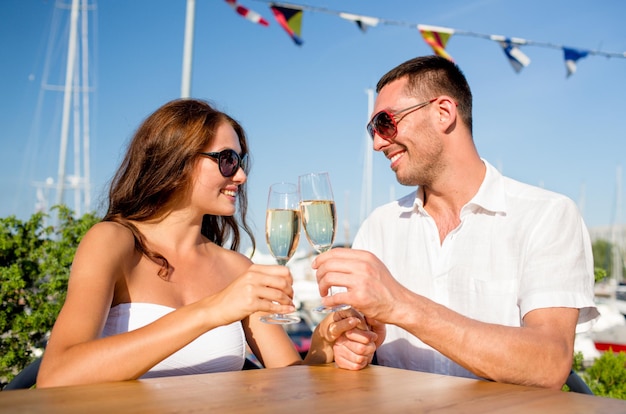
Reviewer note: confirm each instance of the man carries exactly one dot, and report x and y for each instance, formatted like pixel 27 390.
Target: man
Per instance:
pixel 475 274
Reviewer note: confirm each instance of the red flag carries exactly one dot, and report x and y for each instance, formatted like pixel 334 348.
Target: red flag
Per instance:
pixel 247 13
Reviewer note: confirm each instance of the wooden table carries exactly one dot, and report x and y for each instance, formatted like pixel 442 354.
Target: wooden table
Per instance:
pixel 303 390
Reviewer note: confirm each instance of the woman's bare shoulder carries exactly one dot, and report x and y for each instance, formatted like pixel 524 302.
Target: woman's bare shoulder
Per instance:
pixel 109 236
pixel 110 230
pixel 238 262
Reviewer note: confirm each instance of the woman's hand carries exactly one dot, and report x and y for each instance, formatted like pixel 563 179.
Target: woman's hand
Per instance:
pixel 353 342
pixel 261 288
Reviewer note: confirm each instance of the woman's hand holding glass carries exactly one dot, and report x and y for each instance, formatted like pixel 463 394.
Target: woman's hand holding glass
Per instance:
pixel 261 288
pixel 282 233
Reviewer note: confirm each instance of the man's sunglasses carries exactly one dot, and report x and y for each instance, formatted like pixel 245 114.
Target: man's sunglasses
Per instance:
pixel 385 124
pixel 228 161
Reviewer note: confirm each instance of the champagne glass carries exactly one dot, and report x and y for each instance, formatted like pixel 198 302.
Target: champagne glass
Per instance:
pixel 319 218
pixel 282 233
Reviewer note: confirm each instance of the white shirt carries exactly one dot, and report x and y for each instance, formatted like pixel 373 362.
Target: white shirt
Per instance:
pixel 517 248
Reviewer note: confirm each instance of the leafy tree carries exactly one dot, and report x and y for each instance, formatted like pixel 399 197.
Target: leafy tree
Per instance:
pixel 603 255
pixel 599 274
pixel 35 262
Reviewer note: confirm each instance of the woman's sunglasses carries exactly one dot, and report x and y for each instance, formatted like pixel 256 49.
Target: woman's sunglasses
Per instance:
pixel 228 161
pixel 384 123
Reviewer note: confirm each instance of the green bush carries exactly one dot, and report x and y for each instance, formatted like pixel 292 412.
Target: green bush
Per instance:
pixel 607 376
pixel 35 261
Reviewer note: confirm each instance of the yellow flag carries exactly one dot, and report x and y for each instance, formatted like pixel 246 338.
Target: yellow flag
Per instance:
pixel 437 38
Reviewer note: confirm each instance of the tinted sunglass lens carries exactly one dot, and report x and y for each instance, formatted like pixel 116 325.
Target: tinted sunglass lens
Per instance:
pixel 229 162
pixel 243 163
pixel 371 130
pixel 384 125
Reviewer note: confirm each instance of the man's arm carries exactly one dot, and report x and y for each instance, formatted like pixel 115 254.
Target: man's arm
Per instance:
pixel 539 353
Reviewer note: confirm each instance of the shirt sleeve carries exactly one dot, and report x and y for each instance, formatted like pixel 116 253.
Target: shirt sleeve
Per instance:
pixel 558 263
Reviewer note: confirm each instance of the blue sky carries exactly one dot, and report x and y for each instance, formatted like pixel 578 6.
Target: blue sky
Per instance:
pixel 304 108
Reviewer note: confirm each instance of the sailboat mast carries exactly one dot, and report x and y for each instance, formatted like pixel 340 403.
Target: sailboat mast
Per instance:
pixel 366 192
pixel 185 89
pixel 67 98
pixel 85 107
pixel 616 236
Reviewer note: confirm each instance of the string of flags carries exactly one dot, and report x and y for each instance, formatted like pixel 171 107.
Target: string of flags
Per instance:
pixel 289 17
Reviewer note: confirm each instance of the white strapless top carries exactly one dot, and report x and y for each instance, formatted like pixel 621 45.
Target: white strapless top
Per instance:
pixel 221 349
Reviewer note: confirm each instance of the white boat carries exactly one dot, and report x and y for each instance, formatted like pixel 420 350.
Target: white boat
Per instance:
pixel 620 298
pixel 609 332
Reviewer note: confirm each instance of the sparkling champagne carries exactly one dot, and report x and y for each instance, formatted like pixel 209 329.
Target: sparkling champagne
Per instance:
pixel 282 233
pixel 320 221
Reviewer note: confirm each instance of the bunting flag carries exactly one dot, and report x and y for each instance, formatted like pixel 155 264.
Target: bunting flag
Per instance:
pixel 363 22
pixel 571 56
pixel 289 16
pixel 247 13
pixel 437 38
pixel 291 20
pixel 517 58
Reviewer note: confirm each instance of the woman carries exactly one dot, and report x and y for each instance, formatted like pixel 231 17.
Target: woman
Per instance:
pixel 154 292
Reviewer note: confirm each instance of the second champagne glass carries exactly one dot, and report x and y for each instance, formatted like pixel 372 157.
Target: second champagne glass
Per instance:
pixel 319 217
pixel 282 233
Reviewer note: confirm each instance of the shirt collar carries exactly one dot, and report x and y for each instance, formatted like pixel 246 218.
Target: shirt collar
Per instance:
pixel 490 195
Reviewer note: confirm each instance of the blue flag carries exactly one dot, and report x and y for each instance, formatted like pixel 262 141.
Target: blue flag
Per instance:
pixel 571 56
pixel 516 57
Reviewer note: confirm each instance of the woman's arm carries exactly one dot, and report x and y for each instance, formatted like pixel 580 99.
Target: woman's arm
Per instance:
pixel 76 354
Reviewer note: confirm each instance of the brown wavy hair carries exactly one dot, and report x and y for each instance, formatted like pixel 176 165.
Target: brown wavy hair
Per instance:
pixel 157 172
